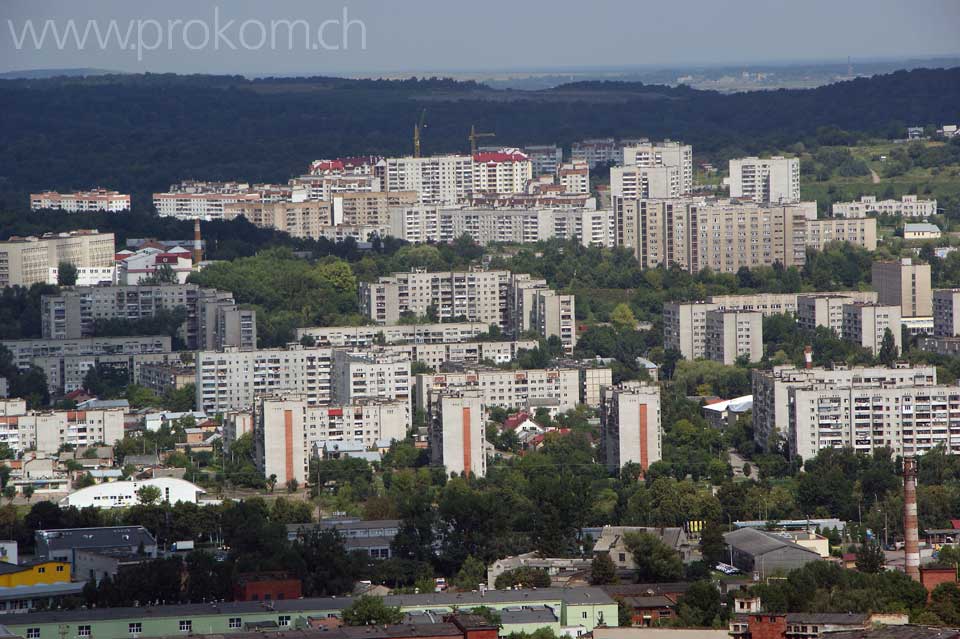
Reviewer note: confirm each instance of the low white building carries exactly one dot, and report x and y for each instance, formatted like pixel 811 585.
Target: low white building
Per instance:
pixel 119 494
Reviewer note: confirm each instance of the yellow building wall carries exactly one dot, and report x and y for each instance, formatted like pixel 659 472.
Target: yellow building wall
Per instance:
pixel 48 572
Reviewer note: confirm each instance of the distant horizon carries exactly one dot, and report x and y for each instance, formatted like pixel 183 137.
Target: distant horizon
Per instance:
pixel 545 70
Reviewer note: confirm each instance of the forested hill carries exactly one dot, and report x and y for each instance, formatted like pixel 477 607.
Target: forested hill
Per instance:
pixel 139 133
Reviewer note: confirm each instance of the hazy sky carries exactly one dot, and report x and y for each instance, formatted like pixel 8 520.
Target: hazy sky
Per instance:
pixel 427 35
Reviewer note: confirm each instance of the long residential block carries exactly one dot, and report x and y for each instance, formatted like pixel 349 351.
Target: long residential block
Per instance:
pixel 558 390
pixel 47 431
pixel 812 408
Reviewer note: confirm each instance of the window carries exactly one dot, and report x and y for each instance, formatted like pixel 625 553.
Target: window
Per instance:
pixel 284 621
pixel 134 628
pixel 583 614
pixel 235 622
pixel 623 557
pixel 83 631
pixel 33 633
pixel 59 568
pixel 42 569
pixel 186 625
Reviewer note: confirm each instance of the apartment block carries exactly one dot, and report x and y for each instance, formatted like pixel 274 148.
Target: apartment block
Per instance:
pixel 204 206
pixel 475 295
pixel 457 432
pixel 81 201
pixel 635 182
pixel 685 328
pixel 774 414
pixel 775 179
pixel 326 187
pixel 233 379
pixel 908 206
pixel 866 324
pixel 905 283
pixel 298 219
pixel 368 209
pixel 859 231
pixel 514 225
pixel 442 179
pixel 503 171
pixel 663 154
pixel 66 362
pixel 370 374
pixel 161 378
pixel 555 389
pixel 289 430
pixel 596 151
pixel 468 353
pixel 946 312
pixel 630 431
pixel 213 319
pixel 574 178
pixel 545 159
pixel 47 431
pixel 657 230
pixel 533 307
pixel 364 336
pixel 25 261
pixel 731 335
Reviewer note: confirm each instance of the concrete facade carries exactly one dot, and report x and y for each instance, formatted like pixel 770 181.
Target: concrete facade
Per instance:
pixel 630 430
pixel 866 324
pixel 904 283
pixel 25 261
pixel 731 335
pixel 457 431
pixel 775 179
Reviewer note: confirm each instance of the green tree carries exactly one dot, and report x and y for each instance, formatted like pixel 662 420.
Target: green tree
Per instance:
pixel 66 274
pixel 888 349
pixel 712 546
pixel 526 577
pixel 700 605
pixel 623 318
pixel 28 491
pixel 292 485
pixel 654 560
pixel 945 603
pixel 10 492
pixel 367 610
pixel 870 558
pixel 602 570
pixel 149 495
pixel 492 616
pixel 472 573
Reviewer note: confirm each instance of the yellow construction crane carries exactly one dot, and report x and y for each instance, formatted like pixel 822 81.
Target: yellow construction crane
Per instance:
pixel 416 133
pixel 474 136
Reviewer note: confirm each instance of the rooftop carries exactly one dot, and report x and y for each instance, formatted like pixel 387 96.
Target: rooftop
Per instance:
pixel 757 542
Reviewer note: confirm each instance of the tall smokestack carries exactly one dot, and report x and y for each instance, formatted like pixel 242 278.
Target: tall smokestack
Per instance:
pixel 197 250
pixel 808 356
pixel 911 546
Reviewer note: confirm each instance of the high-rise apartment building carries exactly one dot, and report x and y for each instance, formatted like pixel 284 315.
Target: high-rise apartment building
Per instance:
pixel 503 171
pixel 442 179
pixel 574 178
pixel 826 309
pixel 847 409
pixel 905 283
pixel 457 432
pixel 371 374
pixel 946 312
pixel 775 179
pixel 859 231
pixel 663 154
pixel 545 159
pixel 213 320
pixel 656 182
pixel 81 201
pixel 596 151
pixel 532 306
pixel 233 379
pixel 476 295
pixel 289 430
pixel 630 431
pixel 866 324
pixel 368 209
pixel 25 261
pixel 685 328
pixel 730 335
